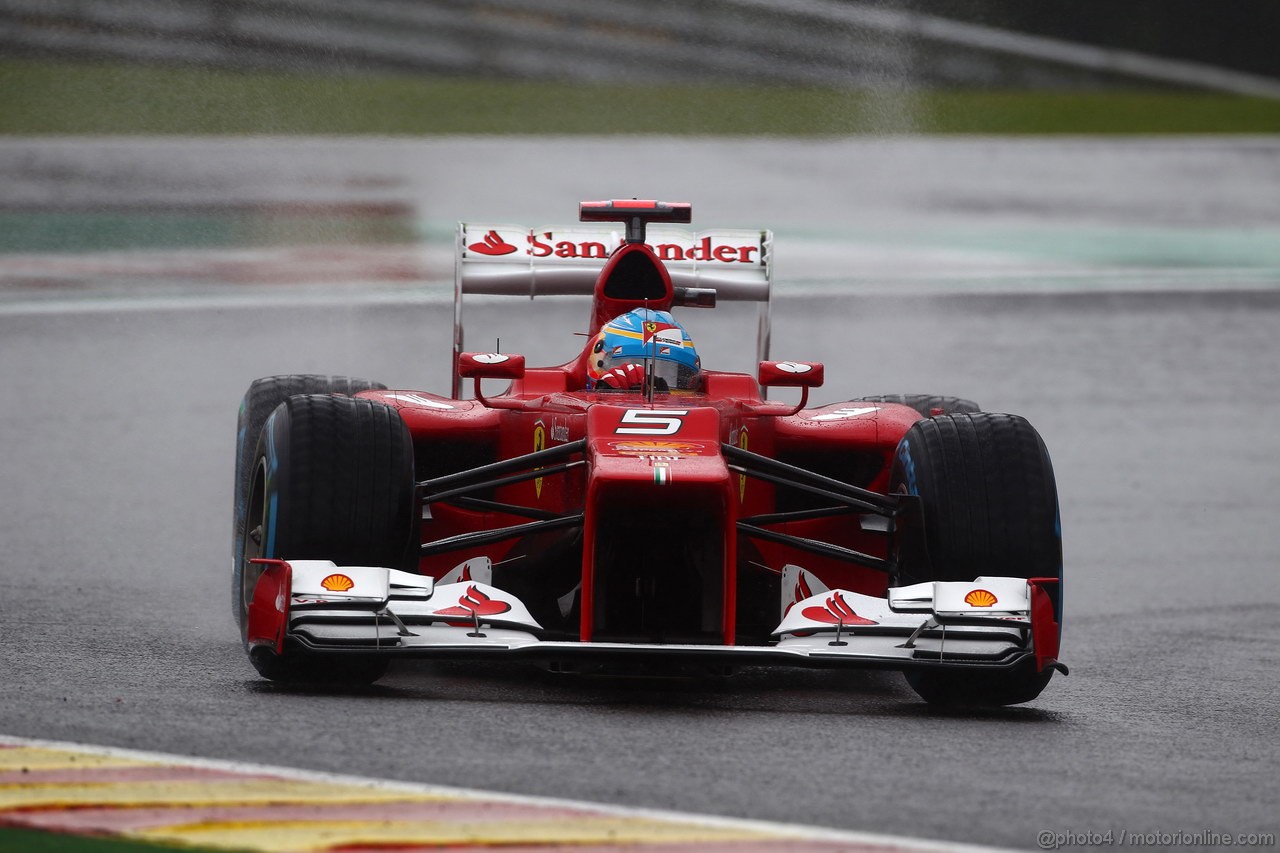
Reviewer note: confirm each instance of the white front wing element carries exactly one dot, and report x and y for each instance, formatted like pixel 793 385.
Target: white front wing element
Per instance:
pixel 476 569
pixel 984 623
pixel 986 619
pixel 369 607
pixel 798 584
pixel 318 582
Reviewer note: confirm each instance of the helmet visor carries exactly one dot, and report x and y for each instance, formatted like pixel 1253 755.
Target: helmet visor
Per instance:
pixel 671 374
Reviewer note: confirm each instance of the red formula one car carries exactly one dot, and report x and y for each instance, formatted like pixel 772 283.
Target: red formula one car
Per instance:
pixel 632 511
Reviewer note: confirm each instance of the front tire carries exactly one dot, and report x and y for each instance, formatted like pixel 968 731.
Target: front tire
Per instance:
pixel 332 479
pixel 990 503
pixel 262 398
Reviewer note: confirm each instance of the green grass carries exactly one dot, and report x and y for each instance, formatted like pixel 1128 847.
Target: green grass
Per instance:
pixel 60 98
pixel 206 228
pixel 35 841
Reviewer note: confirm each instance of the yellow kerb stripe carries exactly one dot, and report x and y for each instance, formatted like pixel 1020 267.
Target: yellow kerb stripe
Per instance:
pixel 193 793
pixel 55 759
pixel 315 835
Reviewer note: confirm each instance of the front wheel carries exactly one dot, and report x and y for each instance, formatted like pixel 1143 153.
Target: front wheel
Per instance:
pixel 262 398
pixel 332 479
pixel 990 504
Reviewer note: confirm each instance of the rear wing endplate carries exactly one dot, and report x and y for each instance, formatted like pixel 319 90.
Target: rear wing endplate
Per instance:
pixel 513 260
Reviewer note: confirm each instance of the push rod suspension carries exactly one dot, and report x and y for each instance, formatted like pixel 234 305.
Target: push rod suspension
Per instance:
pixel 509 509
pixel 437 497
pixel 824 549
pixel 848 500
pixel 754 465
pixel 495 469
pixel 484 537
pixel 798 515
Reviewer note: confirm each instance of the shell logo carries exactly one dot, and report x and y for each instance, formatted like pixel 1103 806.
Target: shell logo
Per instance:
pixel 337 583
pixel 980 598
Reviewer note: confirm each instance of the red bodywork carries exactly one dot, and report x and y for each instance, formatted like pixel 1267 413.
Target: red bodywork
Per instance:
pixel 659 500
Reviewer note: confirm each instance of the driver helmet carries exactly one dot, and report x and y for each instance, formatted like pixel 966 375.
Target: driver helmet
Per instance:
pixel 644 336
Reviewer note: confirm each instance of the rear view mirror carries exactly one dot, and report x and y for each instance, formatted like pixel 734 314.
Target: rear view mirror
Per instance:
pixel 790 374
pixel 490 365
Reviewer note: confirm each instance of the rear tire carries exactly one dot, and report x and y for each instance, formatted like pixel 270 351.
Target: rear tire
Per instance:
pixel 257 405
pixel 928 405
pixel 990 503
pixel 332 479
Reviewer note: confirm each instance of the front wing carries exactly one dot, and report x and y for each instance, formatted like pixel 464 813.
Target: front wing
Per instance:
pixel 990 623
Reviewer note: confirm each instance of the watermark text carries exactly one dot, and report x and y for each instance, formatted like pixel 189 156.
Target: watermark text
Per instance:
pixel 1048 839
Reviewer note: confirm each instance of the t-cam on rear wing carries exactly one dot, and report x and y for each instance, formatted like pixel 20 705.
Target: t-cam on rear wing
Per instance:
pixel 565 260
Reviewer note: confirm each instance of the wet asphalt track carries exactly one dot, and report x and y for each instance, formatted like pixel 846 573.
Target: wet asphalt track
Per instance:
pixel 1159 409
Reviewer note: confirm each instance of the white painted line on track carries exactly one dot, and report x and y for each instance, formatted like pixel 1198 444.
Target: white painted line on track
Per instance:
pixel 1104 282
pixel 301 298
pixel 710 821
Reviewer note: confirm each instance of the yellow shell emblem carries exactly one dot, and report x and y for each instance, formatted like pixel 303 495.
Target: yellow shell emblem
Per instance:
pixel 337 583
pixel 979 598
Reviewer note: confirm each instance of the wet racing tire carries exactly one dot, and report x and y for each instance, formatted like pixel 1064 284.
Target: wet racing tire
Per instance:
pixel 257 405
pixel 331 479
pixel 990 503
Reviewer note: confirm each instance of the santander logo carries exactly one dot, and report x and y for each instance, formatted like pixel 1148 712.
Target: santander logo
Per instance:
pixel 492 244
pixel 836 611
pixel 582 245
pixel 801 592
pixel 545 245
pixel 475 603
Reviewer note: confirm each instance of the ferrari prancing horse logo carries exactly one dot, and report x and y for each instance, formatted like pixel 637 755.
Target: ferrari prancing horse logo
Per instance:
pixel 539 443
pixel 742 478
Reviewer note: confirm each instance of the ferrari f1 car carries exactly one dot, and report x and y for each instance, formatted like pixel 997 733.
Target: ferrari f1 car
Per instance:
pixel 631 511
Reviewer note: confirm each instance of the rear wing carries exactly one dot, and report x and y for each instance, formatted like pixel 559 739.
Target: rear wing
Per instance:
pixel 514 260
